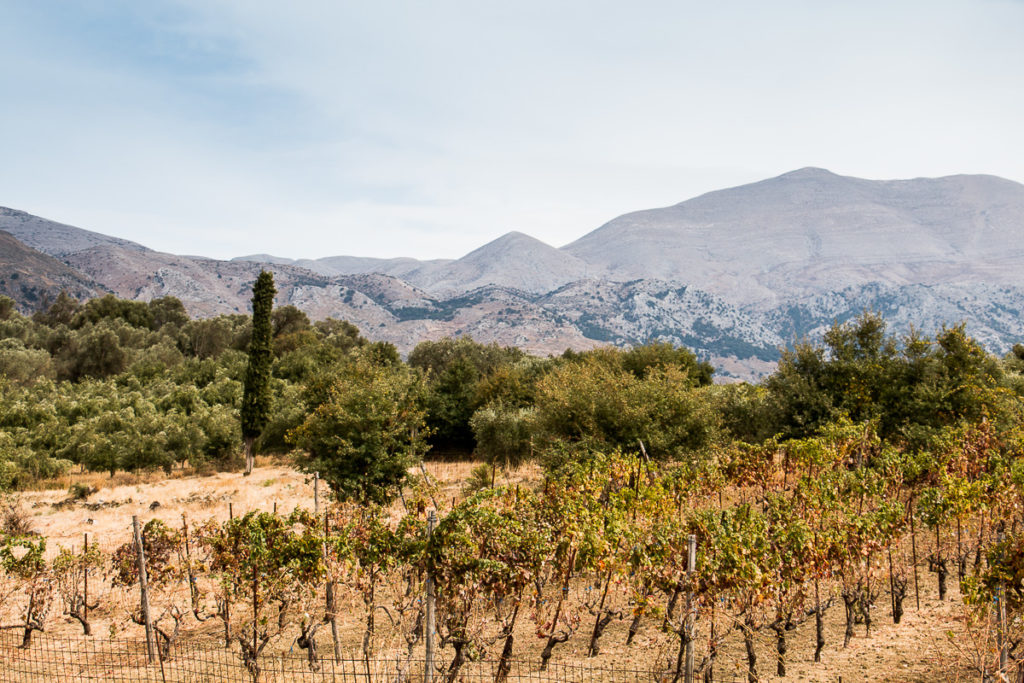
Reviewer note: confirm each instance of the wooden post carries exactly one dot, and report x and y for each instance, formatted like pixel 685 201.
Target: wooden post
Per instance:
pixel 231 512
pixel 892 588
pixel 1001 632
pixel 140 558
pixel 428 660
pixel 331 606
pixel 316 494
pixel 913 547
pixel 691 564
pixel 255 609
pixel 85 578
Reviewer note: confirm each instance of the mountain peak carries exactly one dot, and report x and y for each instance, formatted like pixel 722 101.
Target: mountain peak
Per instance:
pixel 809 172
pixel 515 242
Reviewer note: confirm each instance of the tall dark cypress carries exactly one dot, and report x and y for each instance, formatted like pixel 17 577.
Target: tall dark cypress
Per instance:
pixel 256 396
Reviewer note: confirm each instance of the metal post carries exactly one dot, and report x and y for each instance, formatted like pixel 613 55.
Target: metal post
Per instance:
pixel 140 558
pixel 428 661
pixel 691 564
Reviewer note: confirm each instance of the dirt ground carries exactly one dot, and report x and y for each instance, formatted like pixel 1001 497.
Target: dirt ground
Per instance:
pixel 932 644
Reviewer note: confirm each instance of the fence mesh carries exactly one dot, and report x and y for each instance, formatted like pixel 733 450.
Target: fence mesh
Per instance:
pixel 81 659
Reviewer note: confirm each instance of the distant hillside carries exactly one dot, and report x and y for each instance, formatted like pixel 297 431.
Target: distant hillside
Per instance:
pixel 735 274
pixel 34 279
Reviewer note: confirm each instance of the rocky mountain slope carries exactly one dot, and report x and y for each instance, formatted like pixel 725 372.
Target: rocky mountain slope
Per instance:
pixel 735 274
pixel 34 279
pixel 811 231
pixel 56 239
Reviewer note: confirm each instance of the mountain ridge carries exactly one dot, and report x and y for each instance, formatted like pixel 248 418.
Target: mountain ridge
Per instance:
pixel 736 273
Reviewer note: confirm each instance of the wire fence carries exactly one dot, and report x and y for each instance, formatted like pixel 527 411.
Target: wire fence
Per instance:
pixel 80 659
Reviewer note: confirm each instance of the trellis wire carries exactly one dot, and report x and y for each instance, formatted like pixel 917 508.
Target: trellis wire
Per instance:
pixel 81 659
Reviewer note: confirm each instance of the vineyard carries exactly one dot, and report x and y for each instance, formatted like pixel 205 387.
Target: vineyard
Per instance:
pixel 804 549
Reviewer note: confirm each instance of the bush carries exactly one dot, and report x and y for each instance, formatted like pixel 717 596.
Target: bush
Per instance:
pixel 14 521
pixel 80 491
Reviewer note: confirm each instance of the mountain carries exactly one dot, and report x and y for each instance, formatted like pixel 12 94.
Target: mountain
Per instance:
pixel 56 239
pixel 33 279
pixel 811 231
pixel 353 265
pixel 735 274
pixel 513 260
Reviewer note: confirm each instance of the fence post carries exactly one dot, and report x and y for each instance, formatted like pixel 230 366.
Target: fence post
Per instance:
pixel 428 659
pixel 1001 632
pixel 140 558
pixel 691 563
pixel 316 494
pixel 85 582
pixel 329 591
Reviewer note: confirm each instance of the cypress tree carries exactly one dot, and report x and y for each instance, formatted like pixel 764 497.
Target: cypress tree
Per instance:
pixel 256 393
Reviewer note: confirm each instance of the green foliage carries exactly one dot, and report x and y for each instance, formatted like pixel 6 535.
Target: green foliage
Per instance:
pixel 7 307
pixel 591 404
pixel 910 386
pixel 276 555
pixel 23 557
pixel 640 360
pixel 455 368
pixel 135 313
pixel 503 435
pixel 61 312
pixel 288 320
pixel 256 396
pixel 366 428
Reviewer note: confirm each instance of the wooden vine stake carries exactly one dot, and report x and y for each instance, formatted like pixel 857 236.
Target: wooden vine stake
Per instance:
pixel 428 659
pixel 140 558
pixel 913 547
pixel 85 583
pixel 1001 631
pixel 332 609
pixel 691 563
pixel 316 494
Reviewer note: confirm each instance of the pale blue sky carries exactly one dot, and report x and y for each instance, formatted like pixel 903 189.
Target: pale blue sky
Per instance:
pixel 315 128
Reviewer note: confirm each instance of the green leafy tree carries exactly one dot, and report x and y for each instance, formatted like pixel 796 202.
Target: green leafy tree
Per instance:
pixel 168 310
pixel 503 435
pixel 366 428
pixel 455 368
pixel 256 394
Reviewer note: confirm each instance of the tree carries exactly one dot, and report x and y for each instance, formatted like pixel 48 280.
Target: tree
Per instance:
pixel 168 310
pixel 455 369
pixel 503 434
pixel 592 404
pixel 367 427
pixel 256 394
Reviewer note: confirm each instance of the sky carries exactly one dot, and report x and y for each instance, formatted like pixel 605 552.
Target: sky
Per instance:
pixel 388 128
